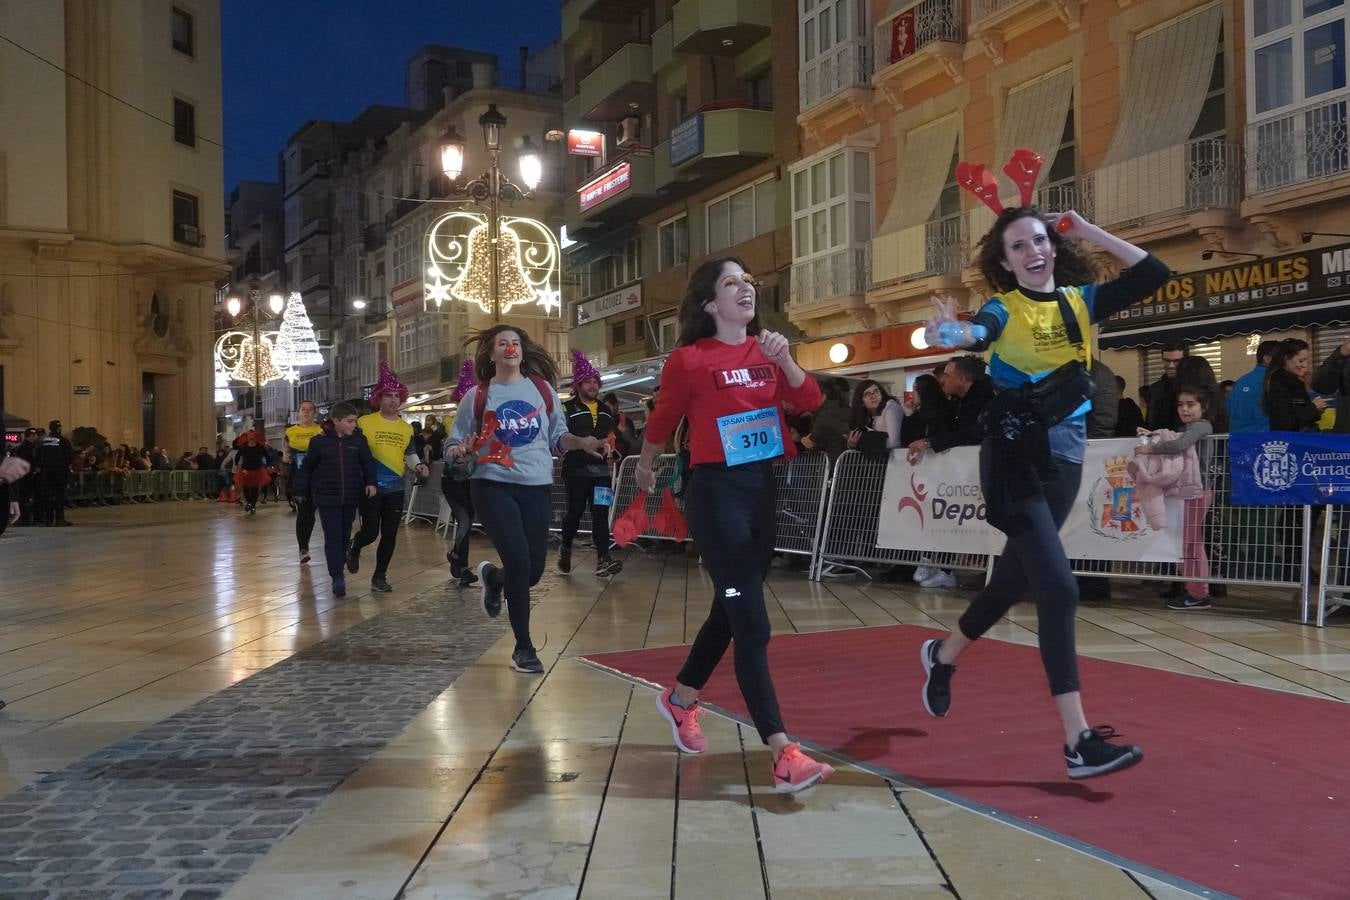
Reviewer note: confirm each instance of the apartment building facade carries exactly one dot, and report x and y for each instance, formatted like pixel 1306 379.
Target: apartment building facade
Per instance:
pixel 111 220
pixel 1211 132
pixel 686 112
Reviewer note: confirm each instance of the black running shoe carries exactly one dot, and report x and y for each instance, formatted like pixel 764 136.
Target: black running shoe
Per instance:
pixel 1096 755
pixel 605 567
pixel 565 560
pixel 304 555
pixel 380 585
pixel 339 587
pixel 492 596
pixel 1186 601
pixel 353 559
pixel 527 661
pixel 937 686
pixel 467 579
pixel 455 568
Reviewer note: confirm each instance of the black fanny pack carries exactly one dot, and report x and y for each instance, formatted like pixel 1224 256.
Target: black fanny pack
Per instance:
pixel 1043 403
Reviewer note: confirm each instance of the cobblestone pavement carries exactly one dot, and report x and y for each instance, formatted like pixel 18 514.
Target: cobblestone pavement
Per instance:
pixel 185 807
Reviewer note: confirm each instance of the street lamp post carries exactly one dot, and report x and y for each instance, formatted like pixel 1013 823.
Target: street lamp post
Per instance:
pixel 276 303
pixel 492 186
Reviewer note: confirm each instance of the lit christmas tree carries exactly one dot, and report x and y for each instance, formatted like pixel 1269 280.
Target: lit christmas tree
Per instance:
pixel 223 392
pixel 296 345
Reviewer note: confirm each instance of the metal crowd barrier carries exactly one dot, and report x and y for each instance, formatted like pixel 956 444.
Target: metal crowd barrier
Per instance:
pixel 848 536
pixel 1258 546
pixel 425 501
pixel 802 486
pixel 104 488
pixel 1333 582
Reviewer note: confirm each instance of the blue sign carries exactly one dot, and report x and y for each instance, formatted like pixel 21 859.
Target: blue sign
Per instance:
pixel 1275 468
pixel 751 436
pixel 686 140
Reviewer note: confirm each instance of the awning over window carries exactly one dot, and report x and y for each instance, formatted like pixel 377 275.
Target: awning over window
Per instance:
pixel 1033 117
pixel 924 162
pixel 1169 78
pixel 1335 312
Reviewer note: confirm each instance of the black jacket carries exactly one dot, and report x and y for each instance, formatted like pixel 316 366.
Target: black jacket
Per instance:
pixel 829 428
pixel 1101 419
pixel 1162 405
pixel 580 423
pixel 55 453
pixel 1287 403
pixel 1333 377
pixel 963 429
pixel 339 469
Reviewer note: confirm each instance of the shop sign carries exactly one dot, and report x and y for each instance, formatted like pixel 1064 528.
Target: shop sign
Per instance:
pixel 902 36
pixel 82 390
pixel 609 304
pixel 585 143
pixel 601 189
pixel 686 140
pixel 1289 280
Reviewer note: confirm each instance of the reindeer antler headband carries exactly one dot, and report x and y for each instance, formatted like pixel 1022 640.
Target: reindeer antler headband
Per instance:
pixel 1022 169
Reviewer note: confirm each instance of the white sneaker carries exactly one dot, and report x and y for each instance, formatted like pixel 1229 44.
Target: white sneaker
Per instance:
pixel 939 579
pixel 923 573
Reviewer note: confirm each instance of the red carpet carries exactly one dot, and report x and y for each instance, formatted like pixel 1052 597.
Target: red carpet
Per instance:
pixel 1243 790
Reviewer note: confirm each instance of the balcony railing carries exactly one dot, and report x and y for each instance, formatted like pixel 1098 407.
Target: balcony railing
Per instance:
pixel 848 65
pixel 932 21
pixel 844 273
pixel 1304 145
pixel 939 247
pixel 1185 178
pixel 982 8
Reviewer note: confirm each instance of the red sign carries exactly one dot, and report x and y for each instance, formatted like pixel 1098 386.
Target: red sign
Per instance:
pixel 607 185
pixel 902 35
pixel 585 143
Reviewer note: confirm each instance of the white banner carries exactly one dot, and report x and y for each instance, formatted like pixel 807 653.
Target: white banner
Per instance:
pixel 937 505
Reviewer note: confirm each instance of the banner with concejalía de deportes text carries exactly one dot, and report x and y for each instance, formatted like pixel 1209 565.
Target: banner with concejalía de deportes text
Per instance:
pixel 936 505
pixel 1277 468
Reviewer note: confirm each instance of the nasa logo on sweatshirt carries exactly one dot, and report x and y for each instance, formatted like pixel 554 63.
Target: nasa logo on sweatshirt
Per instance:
pixel 518 423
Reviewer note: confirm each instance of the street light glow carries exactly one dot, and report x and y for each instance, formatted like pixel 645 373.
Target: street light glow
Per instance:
pixel 276 303
pixel 233 306
pixel 358 304
pixel 531 166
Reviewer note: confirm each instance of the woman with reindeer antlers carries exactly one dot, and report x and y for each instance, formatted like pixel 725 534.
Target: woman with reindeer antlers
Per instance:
pixel 1037 326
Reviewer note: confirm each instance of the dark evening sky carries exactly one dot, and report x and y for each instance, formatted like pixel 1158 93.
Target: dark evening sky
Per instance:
pixel 285 62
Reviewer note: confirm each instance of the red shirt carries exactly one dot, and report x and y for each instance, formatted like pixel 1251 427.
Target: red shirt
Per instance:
pixel 709 379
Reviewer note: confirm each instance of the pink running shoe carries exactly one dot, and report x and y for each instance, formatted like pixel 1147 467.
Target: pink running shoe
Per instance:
pixel 795 771
pixel 684 725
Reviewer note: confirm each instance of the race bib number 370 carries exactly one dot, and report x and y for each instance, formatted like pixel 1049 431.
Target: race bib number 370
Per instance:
pixel 750 436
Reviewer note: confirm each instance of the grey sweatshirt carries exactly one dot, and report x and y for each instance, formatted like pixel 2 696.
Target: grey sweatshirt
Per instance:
pixel 522 424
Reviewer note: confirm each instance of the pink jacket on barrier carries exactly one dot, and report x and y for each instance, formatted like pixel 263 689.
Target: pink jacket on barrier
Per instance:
pixel 1159 475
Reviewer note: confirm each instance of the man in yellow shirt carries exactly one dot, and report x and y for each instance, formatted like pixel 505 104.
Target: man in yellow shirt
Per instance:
pixel 390 440
pixel 294 446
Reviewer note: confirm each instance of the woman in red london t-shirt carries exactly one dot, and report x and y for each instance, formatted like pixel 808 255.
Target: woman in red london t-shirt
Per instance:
pixel 731 379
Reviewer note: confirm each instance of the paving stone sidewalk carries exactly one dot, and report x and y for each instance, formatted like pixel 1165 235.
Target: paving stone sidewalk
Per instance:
pixel 185 807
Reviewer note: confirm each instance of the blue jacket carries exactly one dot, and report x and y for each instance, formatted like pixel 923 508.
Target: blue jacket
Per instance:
pixel 339 469
pixel 1244 404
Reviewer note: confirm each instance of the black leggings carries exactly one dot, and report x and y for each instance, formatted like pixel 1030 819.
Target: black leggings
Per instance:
pixel 580 494
pixel 456 494
pixel 251 495
pixel 516 518
pixel 380 516
pixel 297 487
pixel 1034 560
pixel 731 516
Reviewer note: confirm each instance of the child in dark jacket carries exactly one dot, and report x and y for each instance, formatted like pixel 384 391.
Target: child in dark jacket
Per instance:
pixel 341 473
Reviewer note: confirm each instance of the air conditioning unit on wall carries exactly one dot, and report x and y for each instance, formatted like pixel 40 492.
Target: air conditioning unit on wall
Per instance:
pixel 630 129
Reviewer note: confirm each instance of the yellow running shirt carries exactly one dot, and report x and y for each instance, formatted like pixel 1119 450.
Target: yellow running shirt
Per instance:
pixel 390 444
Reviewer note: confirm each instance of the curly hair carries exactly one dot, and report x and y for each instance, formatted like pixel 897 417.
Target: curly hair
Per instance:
pixel 1072 264
pixel 534 359
pixel 695 322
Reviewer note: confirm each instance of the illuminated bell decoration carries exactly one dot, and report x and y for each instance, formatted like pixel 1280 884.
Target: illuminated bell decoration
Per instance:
pixel 296 344
pixel 458 263
pixel 475 282
pixel 255 365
